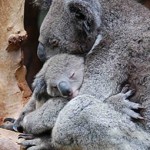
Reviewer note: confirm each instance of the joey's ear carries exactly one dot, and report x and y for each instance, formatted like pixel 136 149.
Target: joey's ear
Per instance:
pixel 39 85
pixel 84 14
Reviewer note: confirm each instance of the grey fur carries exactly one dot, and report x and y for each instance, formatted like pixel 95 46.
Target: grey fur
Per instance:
pixel 43 119
pixel 84 123
pixel 82 19
pixel 61 76
pixel 62 67
pixel 123 55
pixel 89 124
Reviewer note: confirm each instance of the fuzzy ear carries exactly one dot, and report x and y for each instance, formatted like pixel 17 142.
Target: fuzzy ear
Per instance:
pixel 39 86
pixel 85 14
pixel 82 16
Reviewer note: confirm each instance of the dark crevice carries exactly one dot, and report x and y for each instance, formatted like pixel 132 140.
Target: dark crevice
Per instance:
pixel 29 47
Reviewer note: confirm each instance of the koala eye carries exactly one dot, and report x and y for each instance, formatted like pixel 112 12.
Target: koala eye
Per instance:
pixel 54 42
pixel 54 87
pixel 72 75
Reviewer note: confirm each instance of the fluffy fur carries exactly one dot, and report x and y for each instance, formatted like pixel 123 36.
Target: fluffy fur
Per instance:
pixel 122 57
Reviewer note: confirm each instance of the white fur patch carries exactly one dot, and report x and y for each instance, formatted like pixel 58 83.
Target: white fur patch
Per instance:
pixel 97 41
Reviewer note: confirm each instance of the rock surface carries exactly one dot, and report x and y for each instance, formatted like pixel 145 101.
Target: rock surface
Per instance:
pixel 8 140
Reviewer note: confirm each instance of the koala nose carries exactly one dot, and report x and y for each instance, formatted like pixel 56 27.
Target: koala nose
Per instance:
pixel 18 128
pixel 41 53
pixel 65 89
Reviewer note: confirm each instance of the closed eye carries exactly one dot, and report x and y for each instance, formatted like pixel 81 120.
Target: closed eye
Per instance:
pixel 73 74
pixel 54 87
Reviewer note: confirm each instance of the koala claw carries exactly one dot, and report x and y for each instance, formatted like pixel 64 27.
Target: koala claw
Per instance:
pixel 12 120
pixel 121 103
pixel 8 124
pixel 34 144
pixel 133 114
pixel 27 143
pixel 26 136
pixel 131 106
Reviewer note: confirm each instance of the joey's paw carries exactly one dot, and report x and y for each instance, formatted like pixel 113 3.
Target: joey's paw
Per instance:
pixel 8 124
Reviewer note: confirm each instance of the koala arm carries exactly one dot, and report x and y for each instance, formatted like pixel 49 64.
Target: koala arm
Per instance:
pixel 43 118
pixel 87 123
pixel 29 107
pixel 17 124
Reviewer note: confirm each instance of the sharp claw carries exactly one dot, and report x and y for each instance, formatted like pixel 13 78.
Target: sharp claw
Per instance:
pixel 129 93
pixel 140 118
pixel 141 107
pixel 125 88
pixel 25 136
pixel 137 106
pixel 12 120
pixel 137 116
pixel 133 114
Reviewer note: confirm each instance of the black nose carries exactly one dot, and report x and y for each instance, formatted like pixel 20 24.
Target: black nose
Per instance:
pixel 65 88
pixel 41 53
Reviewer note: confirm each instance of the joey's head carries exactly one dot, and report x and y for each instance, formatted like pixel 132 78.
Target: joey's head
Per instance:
pixel 70 26
pixel 64 75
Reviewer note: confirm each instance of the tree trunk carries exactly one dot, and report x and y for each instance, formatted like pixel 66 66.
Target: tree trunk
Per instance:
pixel 14 90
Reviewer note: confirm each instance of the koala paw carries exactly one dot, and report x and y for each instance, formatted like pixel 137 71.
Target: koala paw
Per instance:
pixel 121 103
pixel 8 124
pixel 32 142
pixel 27 141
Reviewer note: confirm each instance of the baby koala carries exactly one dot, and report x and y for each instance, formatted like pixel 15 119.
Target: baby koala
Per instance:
pixel 61 77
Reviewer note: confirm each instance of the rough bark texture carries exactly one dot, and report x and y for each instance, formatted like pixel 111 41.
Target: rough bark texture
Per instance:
pixel 14 90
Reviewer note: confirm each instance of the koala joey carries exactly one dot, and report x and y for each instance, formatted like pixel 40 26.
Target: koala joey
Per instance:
pixel 82 19
pixel 61 76
pixel 85 123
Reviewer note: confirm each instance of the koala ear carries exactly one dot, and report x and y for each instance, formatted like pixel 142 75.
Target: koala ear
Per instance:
pixel 82 14
pixel 39 85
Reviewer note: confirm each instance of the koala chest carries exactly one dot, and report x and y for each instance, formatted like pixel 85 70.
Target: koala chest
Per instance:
pixel 104 78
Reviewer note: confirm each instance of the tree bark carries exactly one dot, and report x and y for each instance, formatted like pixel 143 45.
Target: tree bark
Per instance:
pixel 14 90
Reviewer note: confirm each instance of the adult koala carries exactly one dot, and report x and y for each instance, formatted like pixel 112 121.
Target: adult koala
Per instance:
pixel 123 55
pixel 73 30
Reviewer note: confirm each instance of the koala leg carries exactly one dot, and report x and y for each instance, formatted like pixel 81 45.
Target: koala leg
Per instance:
pixel 122 104
pixel 43 118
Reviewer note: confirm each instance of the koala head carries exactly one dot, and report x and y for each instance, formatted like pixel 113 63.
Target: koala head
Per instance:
pixel 64 75
pixel 70 26
pixel 61 75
